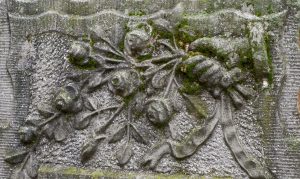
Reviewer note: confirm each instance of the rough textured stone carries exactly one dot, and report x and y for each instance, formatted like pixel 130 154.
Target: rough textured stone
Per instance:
pixel 43 42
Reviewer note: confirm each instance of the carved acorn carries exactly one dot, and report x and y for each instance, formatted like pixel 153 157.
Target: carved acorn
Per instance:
pixel 124 82
pixel 78 53
pixel 137 39
pixel 159 111
pixel 68 99
pixel 27 134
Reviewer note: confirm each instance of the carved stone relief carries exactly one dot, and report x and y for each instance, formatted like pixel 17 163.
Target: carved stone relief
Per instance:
pixel 148 89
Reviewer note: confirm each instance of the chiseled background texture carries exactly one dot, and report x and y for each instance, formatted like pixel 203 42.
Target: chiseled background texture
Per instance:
pixel 281 144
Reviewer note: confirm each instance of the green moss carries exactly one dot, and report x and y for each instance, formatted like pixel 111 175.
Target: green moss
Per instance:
pixel 190 82
pixel 128 99
pixel 208 6
pixel 197 107
pixel 121 44
pixel 269 57
pixel 71 170
pixel 85 37
pixel 293 143
pixel 113 56
pixel 266 115
pixel 188 70
pixel 163 34
pixel 92 42
pixel 270 9
pixel 299 37
pixel 183 32
pixel 79 63
pixel 144 57
pixel 246 63
pixel 72 22
pixel 190 87
pixel 126 28
pixel 96 174
pixel 182 24
pixel 258 13
pixel 191 54
pixel 210 52
pixel 263 67
pixel 64 171
pixel 137 13
pixel 46 169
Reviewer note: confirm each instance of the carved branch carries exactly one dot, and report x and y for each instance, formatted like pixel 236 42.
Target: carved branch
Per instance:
pixel 103 128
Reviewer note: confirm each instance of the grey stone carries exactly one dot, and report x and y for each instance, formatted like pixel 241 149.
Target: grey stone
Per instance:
pixel 149 89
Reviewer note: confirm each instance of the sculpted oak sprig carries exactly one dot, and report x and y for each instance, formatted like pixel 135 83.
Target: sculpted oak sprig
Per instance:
pixel 158 57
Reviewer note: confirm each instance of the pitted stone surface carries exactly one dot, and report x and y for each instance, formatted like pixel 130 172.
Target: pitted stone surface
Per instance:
pixel 36 63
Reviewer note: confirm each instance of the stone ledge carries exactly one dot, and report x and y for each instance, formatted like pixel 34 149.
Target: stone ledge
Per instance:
pixel 47 172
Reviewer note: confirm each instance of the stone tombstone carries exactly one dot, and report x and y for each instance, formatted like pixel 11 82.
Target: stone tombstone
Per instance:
pixel 149 89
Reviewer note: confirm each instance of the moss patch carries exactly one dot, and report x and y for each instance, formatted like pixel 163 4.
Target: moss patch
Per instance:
pixel 190 87
pixel 144 57
pixel 196 106
pixel 137 13
pixel 293 143
pixel 267 40
pixel 184 34
pixel 95 174
pixel 128 99
pixel 266 115
pixel 84 64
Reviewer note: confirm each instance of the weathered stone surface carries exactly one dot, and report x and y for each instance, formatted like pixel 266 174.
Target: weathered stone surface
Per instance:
pixel 204 88
pixel 71 172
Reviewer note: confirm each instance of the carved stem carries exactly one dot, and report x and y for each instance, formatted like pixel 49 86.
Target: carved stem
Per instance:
pixel 162 58
pixel 116 67
pixel 25 161
pixel 100 137
pixel 160 68
pixel 113 60
pixel 110 120
pixel 245 161
pixel 111 51
pixel 174 41
pixel 168 45
pixel 56 115
pixel 171 79
pixel 100 110
pixel 176 83
pixel 96 57
pixel 129 117
pixel 114 48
